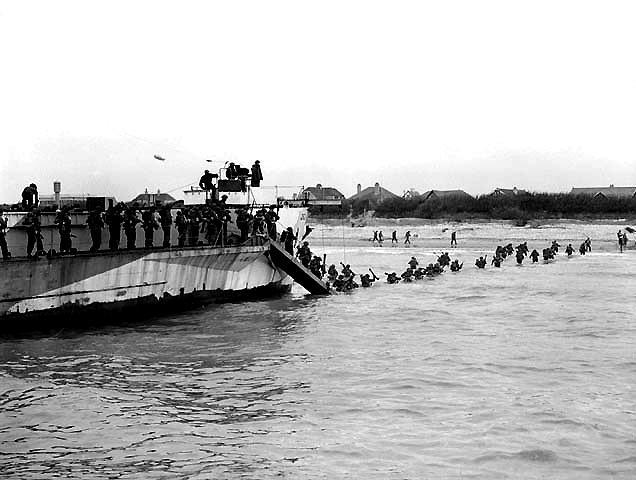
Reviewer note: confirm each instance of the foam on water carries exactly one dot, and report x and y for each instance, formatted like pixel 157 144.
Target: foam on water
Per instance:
pixel 505 373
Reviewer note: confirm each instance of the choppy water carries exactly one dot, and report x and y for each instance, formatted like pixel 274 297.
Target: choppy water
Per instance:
pixel 522 372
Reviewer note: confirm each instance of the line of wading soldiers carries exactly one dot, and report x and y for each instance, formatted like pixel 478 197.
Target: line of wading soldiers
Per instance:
pixel 414 272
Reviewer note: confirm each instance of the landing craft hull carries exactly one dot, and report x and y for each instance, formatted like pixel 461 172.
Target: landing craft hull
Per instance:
pixel 116 281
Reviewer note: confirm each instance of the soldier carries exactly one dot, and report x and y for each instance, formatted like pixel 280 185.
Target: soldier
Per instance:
pixel 392 278
pixel 95 225
pixel 271 217
pixel 181 222
pixel 166 225
pixel 304 255
pixel 149 224
pixel 569 250
pixel 394 237
pixel 34 234
pixel 113 220
pixel 130 227
pixel 315 266
pixel 332 273
pixel 243 224
pixel 534 256
pixel 520 256
pixel 289 240
pixel 257 175
pixel 455 266
pixel 30 196
pixel 3 240
pixel 205 182
pixel 194 222
pixel 212 226
pixel 453 239
pixel 63 221
pixel 224 218
pixel 413 263
pixel 481 262
pixel 407 238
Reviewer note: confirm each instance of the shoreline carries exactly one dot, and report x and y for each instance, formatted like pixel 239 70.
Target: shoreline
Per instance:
pixel 531 223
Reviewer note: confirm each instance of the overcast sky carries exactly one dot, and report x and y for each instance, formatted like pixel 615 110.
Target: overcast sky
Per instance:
pixel 456 94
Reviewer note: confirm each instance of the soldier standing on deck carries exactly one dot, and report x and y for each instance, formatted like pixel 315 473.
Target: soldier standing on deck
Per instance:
pixel 166 224
pixel 130 227
pixel 34 235
pixel 63 221
pixel 95 225
pixel 3 240
pixel 181 222
pixel 149 226
pixel 30 196
pixel 271 217
pixel 257 175
pixel 113 220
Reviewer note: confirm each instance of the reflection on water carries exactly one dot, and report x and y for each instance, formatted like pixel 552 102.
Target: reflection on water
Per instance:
pixel 522 372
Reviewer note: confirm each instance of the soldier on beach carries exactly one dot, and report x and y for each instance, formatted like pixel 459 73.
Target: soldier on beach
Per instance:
pixel 453 239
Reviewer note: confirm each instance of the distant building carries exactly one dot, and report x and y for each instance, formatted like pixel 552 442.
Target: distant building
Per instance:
pixel 372 196
pixel 410 194
pixel 76 201
pixel 508 192
pixel 147 199
pixel 444 194
pixel 606 192
pixel 320 195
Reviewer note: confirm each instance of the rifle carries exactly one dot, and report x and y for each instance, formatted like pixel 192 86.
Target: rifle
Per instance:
pixel 374 275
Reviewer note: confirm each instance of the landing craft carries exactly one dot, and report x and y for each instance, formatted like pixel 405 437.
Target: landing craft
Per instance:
pixel 113 281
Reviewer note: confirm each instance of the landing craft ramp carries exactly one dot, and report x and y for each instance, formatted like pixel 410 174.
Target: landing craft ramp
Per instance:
pixel 283 260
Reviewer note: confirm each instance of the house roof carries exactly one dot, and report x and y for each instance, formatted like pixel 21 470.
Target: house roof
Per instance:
pixel 444 194
pixel 376 194
pixel 509 191
pixel 154 197
pixel 611 191
pixel 322 193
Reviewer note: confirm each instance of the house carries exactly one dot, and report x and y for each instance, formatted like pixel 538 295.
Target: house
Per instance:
pixel 606 192
pixel 445 195
pixel 508 192
pixel 410 194
pixel 372 196
pixel 147 199
pixel 320 195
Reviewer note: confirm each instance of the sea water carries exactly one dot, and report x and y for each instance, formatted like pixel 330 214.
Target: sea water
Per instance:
pixel 519 372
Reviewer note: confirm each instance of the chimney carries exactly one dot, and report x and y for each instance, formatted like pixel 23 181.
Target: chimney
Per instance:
pixel 57 188
pixel 359 188
pixel 376 189
pixel 611 185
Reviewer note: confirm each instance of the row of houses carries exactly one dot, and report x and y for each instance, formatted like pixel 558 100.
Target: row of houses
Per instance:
pixel 377 194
